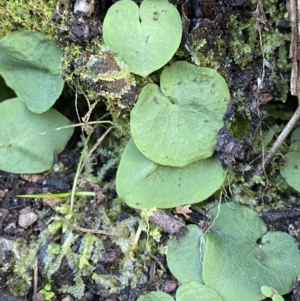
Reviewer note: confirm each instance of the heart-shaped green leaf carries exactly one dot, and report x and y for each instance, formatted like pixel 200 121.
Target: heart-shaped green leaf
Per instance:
pixel 195 291
pixel 145 38
pixel 291 170
pixel 141 183
pixel 30 63
pixel 240 256
pixel 27 140
pixel 190 247
pixel 155 296
pixel 177 123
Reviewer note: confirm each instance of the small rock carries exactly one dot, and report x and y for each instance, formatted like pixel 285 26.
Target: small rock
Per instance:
pixel 27 218
pixel 3 212
pixel 2 193
pixel 84 6
pixel 38 297
pixel 169 286
pixel 10 227
pixel 6 245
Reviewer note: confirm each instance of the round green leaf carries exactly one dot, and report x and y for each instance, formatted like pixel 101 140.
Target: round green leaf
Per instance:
pixel 27 140
pixel 145 38
pixel 141 183
pixel 291 170
pixel 177 123
pixel 277 297
pixel 29 64
pixel 267 291
pixel 240 257
pixel 190 247
pixel 155 296
pixel 197 292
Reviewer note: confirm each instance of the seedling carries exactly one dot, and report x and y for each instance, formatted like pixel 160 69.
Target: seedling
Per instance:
pixel 47 292
pixel 271 293
pixel 223 264
pixel 145 38
pixel 237 248
pixel 29 64
pixel 174 127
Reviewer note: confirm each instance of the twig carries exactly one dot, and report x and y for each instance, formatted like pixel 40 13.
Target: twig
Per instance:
pixel 261 18
pixel 35 276
pixel 94 231
pixel 158 262
pixel 102 232
pixel 166 221
pixel 98 142
pixel 294 13
pixel 288 128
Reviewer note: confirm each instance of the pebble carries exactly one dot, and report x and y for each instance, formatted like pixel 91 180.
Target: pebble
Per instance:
pixel 169 286
pixel 6 245
pixel 84 6
pixel 27 218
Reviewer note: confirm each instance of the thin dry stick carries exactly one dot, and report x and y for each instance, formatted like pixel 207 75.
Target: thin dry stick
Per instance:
pixel 165 220
pixel 202 239
pixel 98 142
pixel 102 232
pixel 94 231
pixel 88 155
pixel 294 13
pixel 81 124
pixel 76 108
pixel 261 18
pixel 158 262
pixel 278 142
pixel 35 276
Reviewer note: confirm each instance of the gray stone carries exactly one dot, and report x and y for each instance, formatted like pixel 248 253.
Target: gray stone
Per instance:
pixel 26 219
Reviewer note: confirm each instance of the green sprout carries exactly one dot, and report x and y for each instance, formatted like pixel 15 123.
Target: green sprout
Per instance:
pixel 174 133
pixel 270 292
pixel 47 292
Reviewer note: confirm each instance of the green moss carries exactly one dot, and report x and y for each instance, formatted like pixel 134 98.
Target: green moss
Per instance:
pixel 243 49
pixel 96 71
pixel 33 15
pixel 18 286
pixel 209 47
pixel 129 264
pixel 245 44
pixel 213 58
